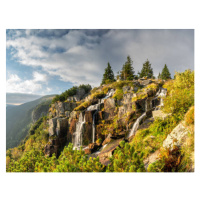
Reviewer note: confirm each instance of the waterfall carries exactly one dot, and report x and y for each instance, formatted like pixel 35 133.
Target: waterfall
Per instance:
pixel 101 101
pixel 162 92
pixel 77 142
pixel 136 125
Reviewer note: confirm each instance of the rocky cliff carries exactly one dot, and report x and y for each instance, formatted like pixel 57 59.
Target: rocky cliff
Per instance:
pixel 91 119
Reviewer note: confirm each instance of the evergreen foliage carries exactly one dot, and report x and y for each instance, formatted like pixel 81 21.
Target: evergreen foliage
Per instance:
pixel 71 92
pixel 127 72
pixel 126 159
pixel 108 76
pixel 147 70
pixel 165 73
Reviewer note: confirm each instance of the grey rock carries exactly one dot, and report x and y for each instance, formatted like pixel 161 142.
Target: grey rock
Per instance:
pixel 160 114
pixel 52 126
pixel 176 137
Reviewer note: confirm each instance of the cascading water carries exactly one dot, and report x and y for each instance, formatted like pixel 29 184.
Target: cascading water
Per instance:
pixel 162 92
pixel 96 107
pixel 136 125
pixel 77 141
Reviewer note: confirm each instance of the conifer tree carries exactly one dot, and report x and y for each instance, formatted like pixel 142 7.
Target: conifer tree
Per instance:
pixel 108 76
pixel 165 73
pixel 147 70
pixel 127 72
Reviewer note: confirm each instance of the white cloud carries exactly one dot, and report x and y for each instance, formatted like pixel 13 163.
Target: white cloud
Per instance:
pixel 14 84
pixel 79 57
pixel 38 77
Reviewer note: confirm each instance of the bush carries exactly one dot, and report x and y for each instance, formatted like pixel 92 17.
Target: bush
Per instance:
pixel 118 94
pixel 71 92
pixel 126 159
pixel 180 94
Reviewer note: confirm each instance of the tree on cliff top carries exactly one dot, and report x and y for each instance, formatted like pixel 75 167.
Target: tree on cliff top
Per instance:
pixel 147 70
pixel 165 73
pixel 108 76
pixel 127 72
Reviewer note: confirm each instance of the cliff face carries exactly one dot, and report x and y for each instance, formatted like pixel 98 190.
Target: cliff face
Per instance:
pixel 95 116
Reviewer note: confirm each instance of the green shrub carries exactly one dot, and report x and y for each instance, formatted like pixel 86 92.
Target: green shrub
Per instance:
pixel 126 159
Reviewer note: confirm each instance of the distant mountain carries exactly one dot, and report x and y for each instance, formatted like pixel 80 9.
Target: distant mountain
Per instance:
pixel 8 106
pixel 20 98
pixel 19 119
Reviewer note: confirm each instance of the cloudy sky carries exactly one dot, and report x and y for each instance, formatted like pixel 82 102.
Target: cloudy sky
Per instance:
pixel 51 61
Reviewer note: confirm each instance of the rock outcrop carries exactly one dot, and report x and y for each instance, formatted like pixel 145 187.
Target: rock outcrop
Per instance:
pixel 176 137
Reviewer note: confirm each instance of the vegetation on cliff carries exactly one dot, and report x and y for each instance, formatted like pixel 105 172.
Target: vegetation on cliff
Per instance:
pixel 131 155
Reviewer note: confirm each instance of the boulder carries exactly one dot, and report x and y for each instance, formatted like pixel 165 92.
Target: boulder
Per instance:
pixel 151 159
pixel 145 82
pixel 108 150
pixel 176 137
pixel 160 114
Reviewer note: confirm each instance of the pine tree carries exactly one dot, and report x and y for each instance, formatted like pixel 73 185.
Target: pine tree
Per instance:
pixel 127 72
pixel 146 70
pixel 108 76
pixel 165 73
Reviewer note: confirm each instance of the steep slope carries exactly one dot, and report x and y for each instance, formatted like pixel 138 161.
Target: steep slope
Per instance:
pixel 19 119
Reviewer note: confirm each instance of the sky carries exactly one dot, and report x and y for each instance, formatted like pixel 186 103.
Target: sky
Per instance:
pixel 51 61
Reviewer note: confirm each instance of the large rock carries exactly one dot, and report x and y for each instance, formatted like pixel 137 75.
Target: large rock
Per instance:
pixel 176 137
pixel 126 108
pixel 127 89
pixel 108 150
pixel 52 126
pixel 127 98
pixel 73 115
pixel 109 107
pixel 151 159
pixel 160 114
pixel 60 110
pixel 145 82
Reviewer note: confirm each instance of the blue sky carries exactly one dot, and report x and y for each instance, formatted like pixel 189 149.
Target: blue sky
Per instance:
pixel 51 61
